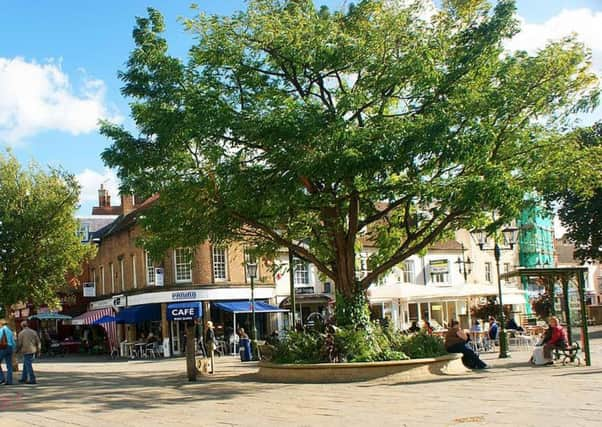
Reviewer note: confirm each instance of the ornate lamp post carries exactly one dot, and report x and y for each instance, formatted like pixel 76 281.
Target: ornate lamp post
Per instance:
pixel 510 238
pixel 252 274
pixel 464 266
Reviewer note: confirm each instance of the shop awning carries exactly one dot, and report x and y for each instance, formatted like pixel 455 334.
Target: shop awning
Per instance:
pixel 184 310
pixel 49 316
pixel 412 292
pixel 104 319
pixel 139 313
pixel 245 307
pixel 89 317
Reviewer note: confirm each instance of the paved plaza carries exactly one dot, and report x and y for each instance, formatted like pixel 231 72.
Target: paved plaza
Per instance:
pixel 99 392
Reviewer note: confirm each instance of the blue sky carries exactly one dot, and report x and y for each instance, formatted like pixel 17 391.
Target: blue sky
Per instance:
pixel 59 62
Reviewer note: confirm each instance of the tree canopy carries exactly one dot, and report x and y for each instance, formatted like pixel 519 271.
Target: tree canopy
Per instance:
pixel 581 209
pixel 39 245
pixel 298 127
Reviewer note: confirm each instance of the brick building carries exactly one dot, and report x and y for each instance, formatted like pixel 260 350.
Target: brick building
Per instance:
pixel 207 282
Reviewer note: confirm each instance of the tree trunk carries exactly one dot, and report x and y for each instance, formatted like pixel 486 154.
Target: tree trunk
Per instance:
pixel 13 326
pixel 191 369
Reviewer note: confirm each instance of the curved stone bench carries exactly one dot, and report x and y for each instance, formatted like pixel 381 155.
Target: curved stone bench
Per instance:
pixel 397 370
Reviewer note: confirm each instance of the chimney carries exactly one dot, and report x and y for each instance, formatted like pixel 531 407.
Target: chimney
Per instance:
pixel 104 199
pixel 127 203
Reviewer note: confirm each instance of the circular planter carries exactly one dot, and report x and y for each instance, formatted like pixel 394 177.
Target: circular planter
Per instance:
pixel 398 370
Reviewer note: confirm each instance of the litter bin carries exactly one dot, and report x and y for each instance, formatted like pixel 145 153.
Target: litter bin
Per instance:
pixel 245 350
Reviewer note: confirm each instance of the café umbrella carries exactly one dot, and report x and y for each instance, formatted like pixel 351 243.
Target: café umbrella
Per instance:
pixel 50 316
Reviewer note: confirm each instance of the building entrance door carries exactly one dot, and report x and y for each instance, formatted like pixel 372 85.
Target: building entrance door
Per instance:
pixel 176 338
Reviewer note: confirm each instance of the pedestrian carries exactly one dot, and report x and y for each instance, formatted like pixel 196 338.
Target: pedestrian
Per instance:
pixel 456 341
pixel 28 344
pixel 7 346
pixel 210 343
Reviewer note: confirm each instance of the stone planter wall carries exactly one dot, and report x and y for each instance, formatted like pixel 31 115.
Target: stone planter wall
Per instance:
pixel 399 371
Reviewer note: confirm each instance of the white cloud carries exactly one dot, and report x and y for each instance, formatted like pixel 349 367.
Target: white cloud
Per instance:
pixel 90 181
pixel 39 97
pixel 586 23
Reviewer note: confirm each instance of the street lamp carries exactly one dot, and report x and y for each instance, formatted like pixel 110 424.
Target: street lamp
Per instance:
pixel 252 274
pixel 510 237
pixel 464 266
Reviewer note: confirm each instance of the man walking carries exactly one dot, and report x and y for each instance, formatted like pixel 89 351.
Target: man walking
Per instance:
pixel 7 346
pixel 28 344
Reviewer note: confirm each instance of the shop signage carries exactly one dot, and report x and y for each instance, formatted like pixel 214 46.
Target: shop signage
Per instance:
pixel 439 266
pixel 119 301
pixel 187 313
pixel 89 289
pixel 159 276
pixel 183 295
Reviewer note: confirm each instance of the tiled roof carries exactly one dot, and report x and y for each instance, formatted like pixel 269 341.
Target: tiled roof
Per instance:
pixel 124 222
pixel 447 245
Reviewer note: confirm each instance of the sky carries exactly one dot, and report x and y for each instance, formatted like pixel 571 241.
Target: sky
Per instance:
pixel 59 61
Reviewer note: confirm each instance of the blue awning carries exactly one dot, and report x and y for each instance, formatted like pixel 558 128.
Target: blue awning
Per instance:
pixel 49 316
pixel 139 313
pixel 103 320
pixel 184 310
pixel 245 307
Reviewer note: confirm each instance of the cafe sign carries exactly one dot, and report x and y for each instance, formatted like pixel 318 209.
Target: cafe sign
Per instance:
pixel 438 266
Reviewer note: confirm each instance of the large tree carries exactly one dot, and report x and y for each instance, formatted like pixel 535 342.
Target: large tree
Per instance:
pixel 298 127
pixel 39 245
pixel 581 208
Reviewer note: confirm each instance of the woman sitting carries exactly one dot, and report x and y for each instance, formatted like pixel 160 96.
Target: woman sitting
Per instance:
pixel 456 341
pixel 555 337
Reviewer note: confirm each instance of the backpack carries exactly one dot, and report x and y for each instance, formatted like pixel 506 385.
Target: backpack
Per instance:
pixel 3 341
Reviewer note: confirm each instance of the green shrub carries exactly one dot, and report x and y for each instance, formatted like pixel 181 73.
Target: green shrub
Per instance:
pixel 423 345
pixel 356 345
pixel 299 347
pixel 353 345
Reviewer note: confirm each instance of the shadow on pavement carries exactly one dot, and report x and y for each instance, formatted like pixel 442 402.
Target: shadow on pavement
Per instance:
pixel 107 391
pixel 426 381
pixel 588 372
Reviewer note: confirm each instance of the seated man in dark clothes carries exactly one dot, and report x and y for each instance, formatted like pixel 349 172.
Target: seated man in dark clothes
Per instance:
pixel 456 341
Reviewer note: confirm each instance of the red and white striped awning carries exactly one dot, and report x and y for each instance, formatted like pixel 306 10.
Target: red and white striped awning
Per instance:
pixel 91 316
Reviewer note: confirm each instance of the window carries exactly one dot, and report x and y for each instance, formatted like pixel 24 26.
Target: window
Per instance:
pixel 93 276
pixel 83 232
pixel 183 264
pixel 219 263
pixel 301 273
pixel 408 271
pixel 134 277
pixel 364 262
pixel 488 272
pixel 150 270
pixel 327 287
pixel 121 273
pixel 112 270
pixel 507 269
pixel 439 270
pixel 102 278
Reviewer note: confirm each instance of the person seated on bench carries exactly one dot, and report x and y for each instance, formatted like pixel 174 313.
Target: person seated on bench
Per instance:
pixel 456 341
pixel 555 337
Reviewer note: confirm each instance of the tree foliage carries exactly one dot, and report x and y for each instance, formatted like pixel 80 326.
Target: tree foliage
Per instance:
pixel 581 209
pixel 298 127
pixel 39 245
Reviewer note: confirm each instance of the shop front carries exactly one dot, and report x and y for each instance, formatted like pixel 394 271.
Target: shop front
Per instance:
pixel 178 315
